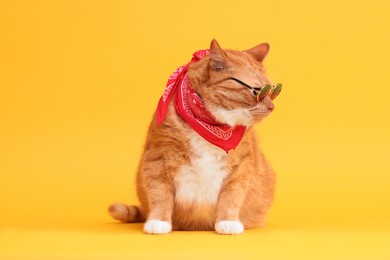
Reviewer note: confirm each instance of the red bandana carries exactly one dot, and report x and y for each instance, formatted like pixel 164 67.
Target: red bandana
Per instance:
pixel 190 107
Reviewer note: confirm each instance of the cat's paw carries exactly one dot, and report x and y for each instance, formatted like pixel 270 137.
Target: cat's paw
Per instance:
pixel 229 227
pixel 156 227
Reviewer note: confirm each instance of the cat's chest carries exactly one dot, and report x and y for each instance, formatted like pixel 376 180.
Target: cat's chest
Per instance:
pixel 200 180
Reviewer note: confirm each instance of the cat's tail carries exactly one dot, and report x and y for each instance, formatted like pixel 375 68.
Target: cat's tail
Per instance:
pixel 126 213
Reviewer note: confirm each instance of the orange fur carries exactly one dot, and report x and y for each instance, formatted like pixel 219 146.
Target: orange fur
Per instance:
pixel 170 155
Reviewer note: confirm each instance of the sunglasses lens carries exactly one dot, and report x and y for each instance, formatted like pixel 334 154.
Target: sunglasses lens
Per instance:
pixel 263 92
pixel 276 91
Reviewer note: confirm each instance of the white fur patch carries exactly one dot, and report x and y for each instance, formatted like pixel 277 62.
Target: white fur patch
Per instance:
pixel 229 227
pixel 157 227
pixel 233 117
pixel 200 181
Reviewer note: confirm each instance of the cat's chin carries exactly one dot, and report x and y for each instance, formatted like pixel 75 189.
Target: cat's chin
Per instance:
pixel 241 116
pixel 233 117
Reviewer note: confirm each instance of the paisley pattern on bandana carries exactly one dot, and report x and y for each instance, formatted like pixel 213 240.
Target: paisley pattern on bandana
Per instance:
pixel 193 107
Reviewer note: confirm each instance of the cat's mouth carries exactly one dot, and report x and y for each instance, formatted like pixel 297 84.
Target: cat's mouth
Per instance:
pixel 260 111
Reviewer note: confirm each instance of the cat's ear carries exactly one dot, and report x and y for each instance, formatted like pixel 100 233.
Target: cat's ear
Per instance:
pixel 218 59
pixel 259 52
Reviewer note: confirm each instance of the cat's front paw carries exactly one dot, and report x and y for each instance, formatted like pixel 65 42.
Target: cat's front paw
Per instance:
pixel 229 227
pixel 157 227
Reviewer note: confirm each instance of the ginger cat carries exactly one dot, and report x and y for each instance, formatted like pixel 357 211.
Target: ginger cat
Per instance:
pixel 187 182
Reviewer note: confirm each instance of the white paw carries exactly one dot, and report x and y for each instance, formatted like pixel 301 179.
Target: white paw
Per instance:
pixel 229 227
pixel 156 227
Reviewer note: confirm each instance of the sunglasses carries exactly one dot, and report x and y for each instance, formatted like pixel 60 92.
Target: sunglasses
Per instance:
pixel 261 93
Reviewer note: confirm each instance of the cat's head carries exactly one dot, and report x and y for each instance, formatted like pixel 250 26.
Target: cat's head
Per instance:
pixel 227 99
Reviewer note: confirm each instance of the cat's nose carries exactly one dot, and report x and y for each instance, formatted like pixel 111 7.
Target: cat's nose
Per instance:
pixel 271 107
pixel 269 104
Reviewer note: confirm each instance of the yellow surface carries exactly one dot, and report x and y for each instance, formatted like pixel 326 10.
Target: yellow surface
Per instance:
pixel 80 80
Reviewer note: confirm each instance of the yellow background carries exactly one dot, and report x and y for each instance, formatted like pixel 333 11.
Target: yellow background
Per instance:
pixel 80 81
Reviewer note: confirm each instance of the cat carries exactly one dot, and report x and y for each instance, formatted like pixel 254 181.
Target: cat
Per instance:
pixel 187 182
